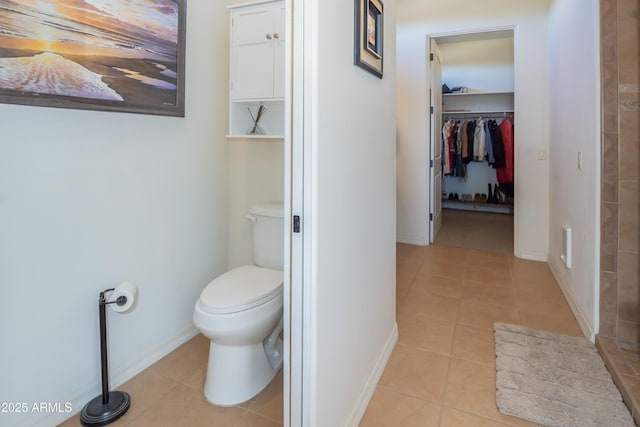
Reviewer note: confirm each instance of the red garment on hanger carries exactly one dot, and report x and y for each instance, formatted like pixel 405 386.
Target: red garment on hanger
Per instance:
pixel 505 174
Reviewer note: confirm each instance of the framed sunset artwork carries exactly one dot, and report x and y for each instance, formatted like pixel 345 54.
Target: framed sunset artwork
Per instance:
pixel 109 55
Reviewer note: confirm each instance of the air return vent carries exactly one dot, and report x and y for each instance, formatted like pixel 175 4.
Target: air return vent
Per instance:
pixel 565 255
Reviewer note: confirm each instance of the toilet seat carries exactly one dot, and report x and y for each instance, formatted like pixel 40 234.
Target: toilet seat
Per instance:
pixel 241 289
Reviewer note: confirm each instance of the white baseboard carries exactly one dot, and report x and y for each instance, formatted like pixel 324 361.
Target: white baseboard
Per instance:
pixel 533 256
pixel 412 240
pixel 372 381
pixel 587 330
pixel 117 378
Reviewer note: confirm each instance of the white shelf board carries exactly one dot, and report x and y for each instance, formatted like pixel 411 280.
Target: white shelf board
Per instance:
pixel 256 100
pixel 506 111
pixel 477 93
pixel 265 137
pixel 477 206
pixel 250 3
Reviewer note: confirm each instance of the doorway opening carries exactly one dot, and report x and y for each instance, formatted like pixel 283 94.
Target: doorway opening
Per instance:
pixel 472 174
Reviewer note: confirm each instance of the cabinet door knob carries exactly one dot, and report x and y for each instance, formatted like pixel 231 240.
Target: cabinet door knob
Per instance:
pixel 269 36
pixel 276 36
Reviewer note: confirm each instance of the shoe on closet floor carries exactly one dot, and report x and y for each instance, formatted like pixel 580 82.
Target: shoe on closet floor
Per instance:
pixel 499 196
pixel 492 195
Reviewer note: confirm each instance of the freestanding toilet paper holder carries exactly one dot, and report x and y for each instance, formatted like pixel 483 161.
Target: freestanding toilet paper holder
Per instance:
pixel 111 405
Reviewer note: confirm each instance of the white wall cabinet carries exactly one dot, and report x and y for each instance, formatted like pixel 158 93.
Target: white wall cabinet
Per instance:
pixel 257 68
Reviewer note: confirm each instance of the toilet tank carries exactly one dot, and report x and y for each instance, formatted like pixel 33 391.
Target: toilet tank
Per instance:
pixel 268 235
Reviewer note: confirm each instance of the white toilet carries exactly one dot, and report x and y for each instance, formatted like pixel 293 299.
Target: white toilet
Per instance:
pixel 241 313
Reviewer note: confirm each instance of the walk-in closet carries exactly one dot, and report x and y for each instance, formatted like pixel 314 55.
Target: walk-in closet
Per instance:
pixel 472 141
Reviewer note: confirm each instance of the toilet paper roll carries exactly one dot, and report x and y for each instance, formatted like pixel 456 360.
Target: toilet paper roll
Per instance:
pixel 127 291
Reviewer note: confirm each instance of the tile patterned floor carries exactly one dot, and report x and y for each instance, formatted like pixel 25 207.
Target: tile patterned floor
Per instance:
pixel 169 393
pixel 476 230
pixel 441 373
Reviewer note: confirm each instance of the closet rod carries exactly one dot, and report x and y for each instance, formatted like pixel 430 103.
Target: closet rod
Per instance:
pixel 484 114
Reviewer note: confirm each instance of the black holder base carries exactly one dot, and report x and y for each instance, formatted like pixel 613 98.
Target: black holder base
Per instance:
pixel 96 413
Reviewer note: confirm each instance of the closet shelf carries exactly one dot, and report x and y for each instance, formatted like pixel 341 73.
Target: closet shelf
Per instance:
pixel 264 137
pixel 477 93
pixel 474 203
pixel 478 207
pixel 505 111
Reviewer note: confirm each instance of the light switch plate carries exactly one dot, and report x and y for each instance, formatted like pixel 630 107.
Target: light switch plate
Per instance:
pixel 579 160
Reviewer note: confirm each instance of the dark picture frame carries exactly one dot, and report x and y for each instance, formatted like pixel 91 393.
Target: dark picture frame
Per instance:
pixel 113 56
pixel 369 35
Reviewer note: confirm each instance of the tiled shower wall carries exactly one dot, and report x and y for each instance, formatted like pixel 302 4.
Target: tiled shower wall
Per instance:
pixel 620 200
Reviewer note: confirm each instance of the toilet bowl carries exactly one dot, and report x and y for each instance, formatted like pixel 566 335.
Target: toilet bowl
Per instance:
pixel 239 311
pixel 241 314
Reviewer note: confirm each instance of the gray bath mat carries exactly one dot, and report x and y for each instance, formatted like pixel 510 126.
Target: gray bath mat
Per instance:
pixel 554 380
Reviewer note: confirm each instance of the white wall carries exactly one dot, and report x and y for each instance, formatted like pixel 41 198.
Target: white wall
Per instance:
pixel 484 65
pixel 256 175
pixel 416 20
pixel 352 195
pixel 574 123
pixel 90 199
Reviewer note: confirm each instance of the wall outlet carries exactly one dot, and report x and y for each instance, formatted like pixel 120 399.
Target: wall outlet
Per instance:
pixel 542 154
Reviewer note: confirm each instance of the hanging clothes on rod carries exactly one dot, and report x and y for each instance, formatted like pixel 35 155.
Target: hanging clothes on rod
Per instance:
pixel 480 144
pixel 479 140
pixel 452 149
pixel 496 145
pixel 471 129
pixel 489 143
pixel 505 174
pixel 446 159
pixel 453 137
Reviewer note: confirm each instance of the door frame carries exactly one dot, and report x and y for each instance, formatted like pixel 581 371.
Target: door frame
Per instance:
pixel 516 178
pixel 435 133
pixel 297 191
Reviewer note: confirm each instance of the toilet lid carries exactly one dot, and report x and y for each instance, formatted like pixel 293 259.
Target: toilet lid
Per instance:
pixel 241 289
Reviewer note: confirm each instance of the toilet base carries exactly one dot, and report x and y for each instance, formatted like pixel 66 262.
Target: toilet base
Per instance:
pixel 235 374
